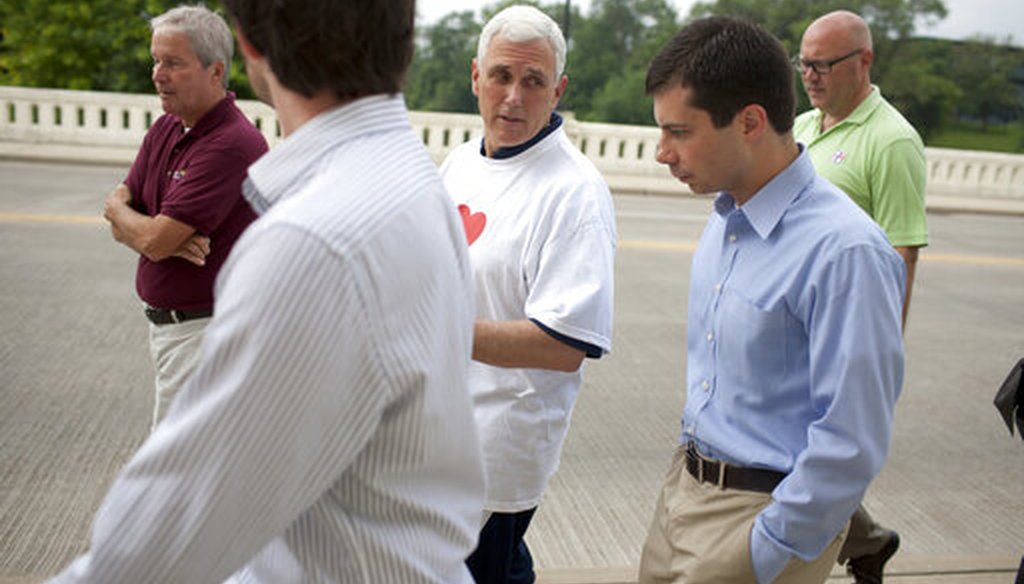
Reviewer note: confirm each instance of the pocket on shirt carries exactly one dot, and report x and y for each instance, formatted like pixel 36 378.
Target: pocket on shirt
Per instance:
pixel 753 341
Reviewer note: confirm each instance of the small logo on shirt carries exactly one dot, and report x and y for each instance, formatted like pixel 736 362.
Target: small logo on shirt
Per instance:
pixel 472 222
pixel 177 174
pixel 838 157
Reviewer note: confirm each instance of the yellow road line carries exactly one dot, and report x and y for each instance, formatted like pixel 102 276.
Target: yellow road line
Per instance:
pixel 687 246
pixel 679 246
pixel 41 218
pixel 955 258
pixel 943 258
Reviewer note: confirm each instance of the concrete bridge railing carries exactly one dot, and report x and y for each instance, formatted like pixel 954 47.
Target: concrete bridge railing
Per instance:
pixel 624 154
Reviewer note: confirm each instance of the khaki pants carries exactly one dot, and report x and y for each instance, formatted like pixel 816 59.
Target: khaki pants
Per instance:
pixel 175 349
pixel 701 534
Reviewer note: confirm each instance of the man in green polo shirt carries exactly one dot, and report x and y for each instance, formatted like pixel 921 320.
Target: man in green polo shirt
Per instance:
pixel 859 142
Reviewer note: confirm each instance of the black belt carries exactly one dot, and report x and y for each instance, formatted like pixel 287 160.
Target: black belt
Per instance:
pixel 164 316
pixel 725 476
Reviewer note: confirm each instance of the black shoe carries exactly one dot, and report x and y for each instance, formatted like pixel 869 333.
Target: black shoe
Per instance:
pixel 868 569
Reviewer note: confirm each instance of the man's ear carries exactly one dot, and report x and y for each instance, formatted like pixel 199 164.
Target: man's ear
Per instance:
pixel 560 88
pixel 474 77
pixel 219 72
pixel 753 120
pixel 867 58
pixel 248 50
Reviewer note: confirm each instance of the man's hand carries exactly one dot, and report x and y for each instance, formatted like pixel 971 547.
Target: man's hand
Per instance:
pixel 118 198
pixel 158 237
pixel 195 249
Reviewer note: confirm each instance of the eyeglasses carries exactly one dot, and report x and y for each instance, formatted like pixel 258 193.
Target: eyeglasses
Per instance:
pixel 820 67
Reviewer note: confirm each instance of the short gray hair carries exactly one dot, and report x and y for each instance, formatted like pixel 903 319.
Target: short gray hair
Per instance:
pixel 207 32
pixel 523 24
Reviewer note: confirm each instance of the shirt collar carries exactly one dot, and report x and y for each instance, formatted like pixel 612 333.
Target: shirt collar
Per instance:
pixel 210 119
pixel 510 151
pixel 863 111
pixel 764 211
pixel 858 116
pixel 285 169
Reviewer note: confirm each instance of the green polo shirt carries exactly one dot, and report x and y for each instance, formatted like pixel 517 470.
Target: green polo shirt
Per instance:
pixel 877 158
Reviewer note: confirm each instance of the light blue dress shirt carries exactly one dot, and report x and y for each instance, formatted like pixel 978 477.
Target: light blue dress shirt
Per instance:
pixel 795 354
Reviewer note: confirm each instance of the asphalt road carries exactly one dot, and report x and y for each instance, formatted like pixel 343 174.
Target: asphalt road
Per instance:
pixel 76 388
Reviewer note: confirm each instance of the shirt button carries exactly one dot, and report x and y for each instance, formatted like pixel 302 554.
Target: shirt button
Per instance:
pixel 705 385
pixel 732 238
pixel 718 287
pixel 711 337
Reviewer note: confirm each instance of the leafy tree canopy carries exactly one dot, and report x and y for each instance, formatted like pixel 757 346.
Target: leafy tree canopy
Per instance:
pixel 104 45
pixel 99 44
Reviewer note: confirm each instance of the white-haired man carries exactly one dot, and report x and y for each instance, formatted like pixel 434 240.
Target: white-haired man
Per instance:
pixel 541 233
pixel 181 205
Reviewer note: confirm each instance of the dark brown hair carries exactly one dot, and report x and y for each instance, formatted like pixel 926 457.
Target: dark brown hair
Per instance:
pixel 728 64
pixel 351 48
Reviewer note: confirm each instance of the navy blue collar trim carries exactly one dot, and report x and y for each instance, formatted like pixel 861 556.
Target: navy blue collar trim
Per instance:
pixel 510 151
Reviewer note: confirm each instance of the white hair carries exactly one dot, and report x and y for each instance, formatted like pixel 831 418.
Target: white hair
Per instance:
pixel 207 32
pixel 523 24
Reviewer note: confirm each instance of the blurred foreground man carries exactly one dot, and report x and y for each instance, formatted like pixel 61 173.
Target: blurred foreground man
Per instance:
pixel 794 350
pixel 327 435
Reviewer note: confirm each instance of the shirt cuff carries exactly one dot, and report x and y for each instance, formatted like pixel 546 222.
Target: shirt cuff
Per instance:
pixel 591 351
pixel 767 557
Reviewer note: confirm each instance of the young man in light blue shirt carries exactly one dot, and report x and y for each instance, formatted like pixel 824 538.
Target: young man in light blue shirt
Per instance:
pixel 794 344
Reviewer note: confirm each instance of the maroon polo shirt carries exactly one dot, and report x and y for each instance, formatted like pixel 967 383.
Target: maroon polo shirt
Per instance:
pixel 194 177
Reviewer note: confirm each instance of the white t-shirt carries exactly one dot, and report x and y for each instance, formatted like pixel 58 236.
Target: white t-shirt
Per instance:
pixel 541 233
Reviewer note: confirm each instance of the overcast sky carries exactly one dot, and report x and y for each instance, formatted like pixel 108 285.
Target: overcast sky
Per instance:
pixel 966 18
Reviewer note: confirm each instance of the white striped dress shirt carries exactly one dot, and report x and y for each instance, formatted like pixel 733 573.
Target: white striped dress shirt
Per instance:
pixel 327 435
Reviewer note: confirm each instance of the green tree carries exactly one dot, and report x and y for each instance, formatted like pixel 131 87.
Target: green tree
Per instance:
pixel 75 45
pixel 787 19
pixel 608 59
pixel 439 78
pixel 96 45
pixel 984 70
pixel 898 66
pixel 916 85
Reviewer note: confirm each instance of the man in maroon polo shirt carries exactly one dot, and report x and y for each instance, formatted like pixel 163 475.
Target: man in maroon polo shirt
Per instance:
pixel 181 206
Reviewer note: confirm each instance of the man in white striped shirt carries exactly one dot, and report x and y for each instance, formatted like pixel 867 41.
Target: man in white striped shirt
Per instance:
pixel 327 435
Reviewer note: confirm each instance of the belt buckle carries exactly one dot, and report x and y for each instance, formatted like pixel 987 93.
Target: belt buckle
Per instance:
pixel 701 461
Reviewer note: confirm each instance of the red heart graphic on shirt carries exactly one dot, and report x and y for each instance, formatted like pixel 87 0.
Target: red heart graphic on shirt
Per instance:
pixel 472 222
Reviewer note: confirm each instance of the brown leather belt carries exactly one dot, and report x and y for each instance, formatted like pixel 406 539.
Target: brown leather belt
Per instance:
pixel 160 316
pixel 706 470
